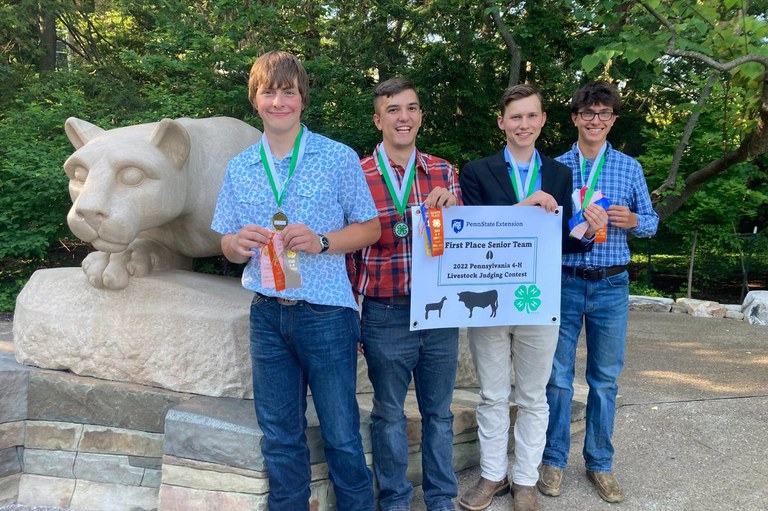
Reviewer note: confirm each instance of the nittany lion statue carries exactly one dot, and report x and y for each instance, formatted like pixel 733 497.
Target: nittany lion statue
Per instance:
pixel 144 195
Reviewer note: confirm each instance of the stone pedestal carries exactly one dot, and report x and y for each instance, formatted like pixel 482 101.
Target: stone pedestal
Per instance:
pixel 178 330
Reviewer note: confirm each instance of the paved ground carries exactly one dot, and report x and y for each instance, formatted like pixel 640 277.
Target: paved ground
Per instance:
pixel 692 430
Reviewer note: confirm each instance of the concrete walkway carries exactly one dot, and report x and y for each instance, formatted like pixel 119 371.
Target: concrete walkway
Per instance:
pixel 691 433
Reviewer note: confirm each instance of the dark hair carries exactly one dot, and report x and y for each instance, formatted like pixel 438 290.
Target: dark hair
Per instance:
pixel 392 87
pixel 596 92
pixel 278 69
pixel 521 91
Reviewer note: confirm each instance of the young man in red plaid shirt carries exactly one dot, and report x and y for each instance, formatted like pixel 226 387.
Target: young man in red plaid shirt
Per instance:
pixel 399 177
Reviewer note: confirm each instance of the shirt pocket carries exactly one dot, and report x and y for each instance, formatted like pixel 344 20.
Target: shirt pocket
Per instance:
pixel 257 208
pixel 316 204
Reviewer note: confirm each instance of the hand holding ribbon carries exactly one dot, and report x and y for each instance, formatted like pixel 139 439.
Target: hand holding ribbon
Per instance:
pixel 596 217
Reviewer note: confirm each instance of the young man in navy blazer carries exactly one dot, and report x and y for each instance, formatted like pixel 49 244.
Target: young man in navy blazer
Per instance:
pixel 517 176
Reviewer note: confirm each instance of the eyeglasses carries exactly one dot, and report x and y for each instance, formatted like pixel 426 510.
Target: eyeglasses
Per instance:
pixel 603 115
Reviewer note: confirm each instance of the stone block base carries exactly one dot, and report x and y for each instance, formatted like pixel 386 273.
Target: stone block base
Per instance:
pixel 83 443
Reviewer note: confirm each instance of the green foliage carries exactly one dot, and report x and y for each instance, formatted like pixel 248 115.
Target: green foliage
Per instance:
pixel 639 287
pixel 122 62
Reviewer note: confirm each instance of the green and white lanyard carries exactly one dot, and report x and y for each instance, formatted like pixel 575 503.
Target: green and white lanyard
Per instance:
pixel 400 193
pixel 517 181
pixel 275 182
pixel 594 173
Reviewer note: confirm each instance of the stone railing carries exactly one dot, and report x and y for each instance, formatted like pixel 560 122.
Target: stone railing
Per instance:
pixel 84 443
pixel 754 310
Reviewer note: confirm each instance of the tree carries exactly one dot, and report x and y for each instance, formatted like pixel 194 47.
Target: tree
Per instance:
pixel 712 59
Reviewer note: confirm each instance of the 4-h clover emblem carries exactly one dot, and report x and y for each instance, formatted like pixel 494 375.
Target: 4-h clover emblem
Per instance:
pixel 527 298
pixel 436 223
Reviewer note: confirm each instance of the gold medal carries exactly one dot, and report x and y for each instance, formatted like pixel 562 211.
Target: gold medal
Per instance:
pixel 279 221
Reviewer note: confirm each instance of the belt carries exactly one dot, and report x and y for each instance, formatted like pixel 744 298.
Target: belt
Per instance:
pixel 282 301
pixel 593 273
pixel 390 300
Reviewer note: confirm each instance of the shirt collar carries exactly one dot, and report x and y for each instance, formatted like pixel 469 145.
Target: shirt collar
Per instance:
pixel 421 160
pixel 310 148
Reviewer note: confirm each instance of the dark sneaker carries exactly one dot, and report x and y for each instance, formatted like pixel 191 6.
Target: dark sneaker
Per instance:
pixel 607 486
pixel 480 495
pixel 550 480
pixel 525 498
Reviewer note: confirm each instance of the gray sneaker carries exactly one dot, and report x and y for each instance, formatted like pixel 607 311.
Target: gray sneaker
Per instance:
pixel 607 486
pixel 550 480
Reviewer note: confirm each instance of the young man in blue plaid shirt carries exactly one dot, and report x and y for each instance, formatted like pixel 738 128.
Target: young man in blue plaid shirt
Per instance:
pixel 595 293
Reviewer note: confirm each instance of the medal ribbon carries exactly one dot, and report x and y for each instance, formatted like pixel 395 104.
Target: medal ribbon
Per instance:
pixel 517 181
pixel 594 174
pixel 278 187
pixel 432 218
pixel 274 261
pixel 400 193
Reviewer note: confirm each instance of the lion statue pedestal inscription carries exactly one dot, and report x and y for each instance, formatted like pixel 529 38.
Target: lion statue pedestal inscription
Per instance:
pixel 144 197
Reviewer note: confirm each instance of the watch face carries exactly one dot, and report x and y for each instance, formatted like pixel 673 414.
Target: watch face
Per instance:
pixel 325 243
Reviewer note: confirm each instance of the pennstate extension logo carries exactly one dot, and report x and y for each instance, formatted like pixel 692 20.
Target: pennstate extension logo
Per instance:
pixel 457 225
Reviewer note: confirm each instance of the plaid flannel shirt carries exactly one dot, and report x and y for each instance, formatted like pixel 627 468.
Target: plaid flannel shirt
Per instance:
pixel 384 268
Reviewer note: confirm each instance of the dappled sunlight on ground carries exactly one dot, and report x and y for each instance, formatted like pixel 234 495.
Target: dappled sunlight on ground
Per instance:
pixel 698 382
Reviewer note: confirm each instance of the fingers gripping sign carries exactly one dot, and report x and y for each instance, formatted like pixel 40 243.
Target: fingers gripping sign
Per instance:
pixel 440 197
pixel 540 198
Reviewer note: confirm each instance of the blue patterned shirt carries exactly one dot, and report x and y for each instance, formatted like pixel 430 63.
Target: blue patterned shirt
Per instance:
pixel 623 182
pixel 327 192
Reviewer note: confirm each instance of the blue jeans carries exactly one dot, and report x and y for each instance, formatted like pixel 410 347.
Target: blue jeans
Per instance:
pixel 393 354
pixel 602 305
pixel 292 347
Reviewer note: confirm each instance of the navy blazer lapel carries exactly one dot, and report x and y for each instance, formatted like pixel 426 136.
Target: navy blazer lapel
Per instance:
pixel 498 166
pixel 547 178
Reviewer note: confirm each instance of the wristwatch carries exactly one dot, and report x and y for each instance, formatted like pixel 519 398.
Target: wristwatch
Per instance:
pixel 324 243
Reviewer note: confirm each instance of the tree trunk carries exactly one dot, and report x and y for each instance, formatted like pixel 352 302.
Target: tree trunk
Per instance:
pixel 47 60
pixel 690 267
pixel 515 53
pixel 754 144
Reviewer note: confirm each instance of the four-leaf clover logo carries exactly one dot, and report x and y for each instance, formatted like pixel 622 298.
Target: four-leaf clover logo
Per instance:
pixel 527 298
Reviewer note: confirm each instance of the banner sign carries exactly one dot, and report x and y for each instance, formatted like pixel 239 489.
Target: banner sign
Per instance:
pixel 500 266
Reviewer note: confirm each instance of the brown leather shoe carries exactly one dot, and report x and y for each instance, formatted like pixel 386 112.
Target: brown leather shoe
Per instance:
pixel 550 480
pixel 480 495
pixel 525 498
pixel 607 486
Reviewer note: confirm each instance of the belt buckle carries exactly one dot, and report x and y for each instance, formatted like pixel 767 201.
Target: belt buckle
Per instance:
pixel 593 273
pixel 287 301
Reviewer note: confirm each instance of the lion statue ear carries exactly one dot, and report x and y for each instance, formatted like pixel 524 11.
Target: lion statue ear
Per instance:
pixel 80 132
pixel 173 140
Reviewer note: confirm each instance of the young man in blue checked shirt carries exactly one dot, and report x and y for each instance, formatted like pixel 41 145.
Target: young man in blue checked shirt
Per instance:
pixel 595 293
pixel 291 206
